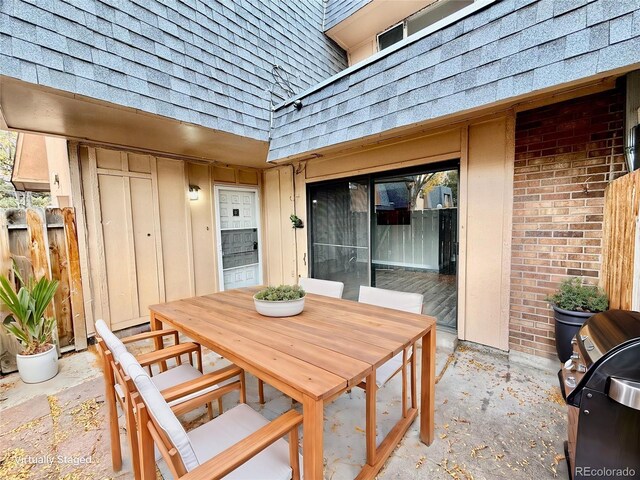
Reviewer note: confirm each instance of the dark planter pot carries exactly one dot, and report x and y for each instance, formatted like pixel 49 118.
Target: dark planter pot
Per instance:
pixel 567 325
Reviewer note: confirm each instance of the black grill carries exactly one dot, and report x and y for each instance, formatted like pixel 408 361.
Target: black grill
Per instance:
pixel 601 385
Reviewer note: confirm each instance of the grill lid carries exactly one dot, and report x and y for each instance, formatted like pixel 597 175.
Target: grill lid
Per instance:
pixel 605 331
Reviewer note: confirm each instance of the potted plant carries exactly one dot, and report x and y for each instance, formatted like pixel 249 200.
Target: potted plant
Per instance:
pixel 573 303
pixel 26 321
pixel 282 301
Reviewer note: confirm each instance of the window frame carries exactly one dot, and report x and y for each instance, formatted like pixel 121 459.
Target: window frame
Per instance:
pixel 404 34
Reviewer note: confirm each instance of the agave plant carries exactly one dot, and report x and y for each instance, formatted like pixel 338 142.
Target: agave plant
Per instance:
pixel 27 321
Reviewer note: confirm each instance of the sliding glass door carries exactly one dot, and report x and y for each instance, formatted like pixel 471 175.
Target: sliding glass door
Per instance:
pixel 340 233
pixel 395 230
pixel 414 239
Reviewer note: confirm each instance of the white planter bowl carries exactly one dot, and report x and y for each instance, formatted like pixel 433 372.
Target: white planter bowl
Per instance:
pixel 39 367
pixel 286 308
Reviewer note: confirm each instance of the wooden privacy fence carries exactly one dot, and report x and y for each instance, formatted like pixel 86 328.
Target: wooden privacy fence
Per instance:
pixel 621 245
pixel 43 242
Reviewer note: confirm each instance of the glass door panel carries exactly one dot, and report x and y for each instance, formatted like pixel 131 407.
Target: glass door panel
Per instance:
pixel 340 234
pixel 414 239
pixel 239 252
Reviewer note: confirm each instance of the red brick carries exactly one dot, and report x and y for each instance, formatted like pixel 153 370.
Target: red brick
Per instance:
pixel 566 154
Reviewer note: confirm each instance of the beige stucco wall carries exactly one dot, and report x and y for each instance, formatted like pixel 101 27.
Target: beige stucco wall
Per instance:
pixel 485 150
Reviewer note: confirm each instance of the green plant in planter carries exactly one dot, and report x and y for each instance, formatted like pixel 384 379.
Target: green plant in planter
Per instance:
pixel 576 296
pixel 281 293
pixel 27 321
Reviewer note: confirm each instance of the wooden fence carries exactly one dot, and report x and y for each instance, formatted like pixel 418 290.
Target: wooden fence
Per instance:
pixel 43 242
pixel 621 249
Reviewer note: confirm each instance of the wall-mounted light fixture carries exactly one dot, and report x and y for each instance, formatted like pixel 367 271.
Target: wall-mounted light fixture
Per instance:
pixel 193 192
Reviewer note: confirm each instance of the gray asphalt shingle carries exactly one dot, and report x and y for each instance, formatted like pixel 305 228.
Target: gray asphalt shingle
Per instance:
pixel 513 47
pixel 338 10
pixel 164 47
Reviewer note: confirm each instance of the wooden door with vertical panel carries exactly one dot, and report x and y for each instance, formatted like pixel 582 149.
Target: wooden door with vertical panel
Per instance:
pixel 128 236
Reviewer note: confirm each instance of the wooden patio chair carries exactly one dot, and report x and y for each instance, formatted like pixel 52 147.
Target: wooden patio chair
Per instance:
pixel 177 396
pixel 328 288
pixel 407 302
pixel 240 444
pixel 111 349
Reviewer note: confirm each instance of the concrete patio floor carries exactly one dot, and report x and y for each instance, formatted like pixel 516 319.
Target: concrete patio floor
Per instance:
pixel 494 419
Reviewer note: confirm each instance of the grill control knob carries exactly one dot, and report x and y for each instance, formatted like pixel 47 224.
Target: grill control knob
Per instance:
pixel 570 381
pixel 581 369
pixel 583 337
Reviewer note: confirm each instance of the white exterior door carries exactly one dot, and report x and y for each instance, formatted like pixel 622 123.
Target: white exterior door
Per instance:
pixel 239 252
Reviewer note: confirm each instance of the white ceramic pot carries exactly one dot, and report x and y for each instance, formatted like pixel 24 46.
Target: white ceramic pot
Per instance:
pixel 39 367
pixel 286 308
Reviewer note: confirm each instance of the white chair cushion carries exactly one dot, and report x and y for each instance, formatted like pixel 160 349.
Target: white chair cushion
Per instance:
pixel 170 378
pixel 180 374
pixel 126 360
pixel 115 346
pixel 229 428
pixel 327 288
pixel 161 412
pixel 388 369
pixel 405 301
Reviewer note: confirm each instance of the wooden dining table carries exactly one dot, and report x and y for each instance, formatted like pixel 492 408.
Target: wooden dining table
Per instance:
pixel 314 357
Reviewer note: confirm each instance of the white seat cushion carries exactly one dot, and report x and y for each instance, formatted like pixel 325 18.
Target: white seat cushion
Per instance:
pixel 177 375
pixel 174 376
pixel 171 378
pixel 229 428
pixel 388 369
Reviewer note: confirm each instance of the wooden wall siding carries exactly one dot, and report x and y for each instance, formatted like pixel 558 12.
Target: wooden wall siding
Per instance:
pixel 619 255
pixel 175 230
pixel 279 237
pixel 203 228
pixel 402 153
pixel 566 154
pixel 147 242
pixel 487 190
pixel 43 243
pixel 231 174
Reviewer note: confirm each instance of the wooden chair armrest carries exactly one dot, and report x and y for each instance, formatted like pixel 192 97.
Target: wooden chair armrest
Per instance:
pixel 234 456
pixel 206 380
pixel 200 400
pixel 164 354
pixel 151 334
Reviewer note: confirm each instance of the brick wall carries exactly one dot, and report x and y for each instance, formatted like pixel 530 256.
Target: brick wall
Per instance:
pixel 566 154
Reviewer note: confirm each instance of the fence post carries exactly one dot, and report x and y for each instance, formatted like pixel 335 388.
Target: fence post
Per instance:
pixel 75 279
pixel 9 346
pixel 39 252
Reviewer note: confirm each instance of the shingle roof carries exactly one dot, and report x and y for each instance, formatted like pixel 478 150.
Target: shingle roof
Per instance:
pixel 205 62
pixel 337 10
pixel 510 48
